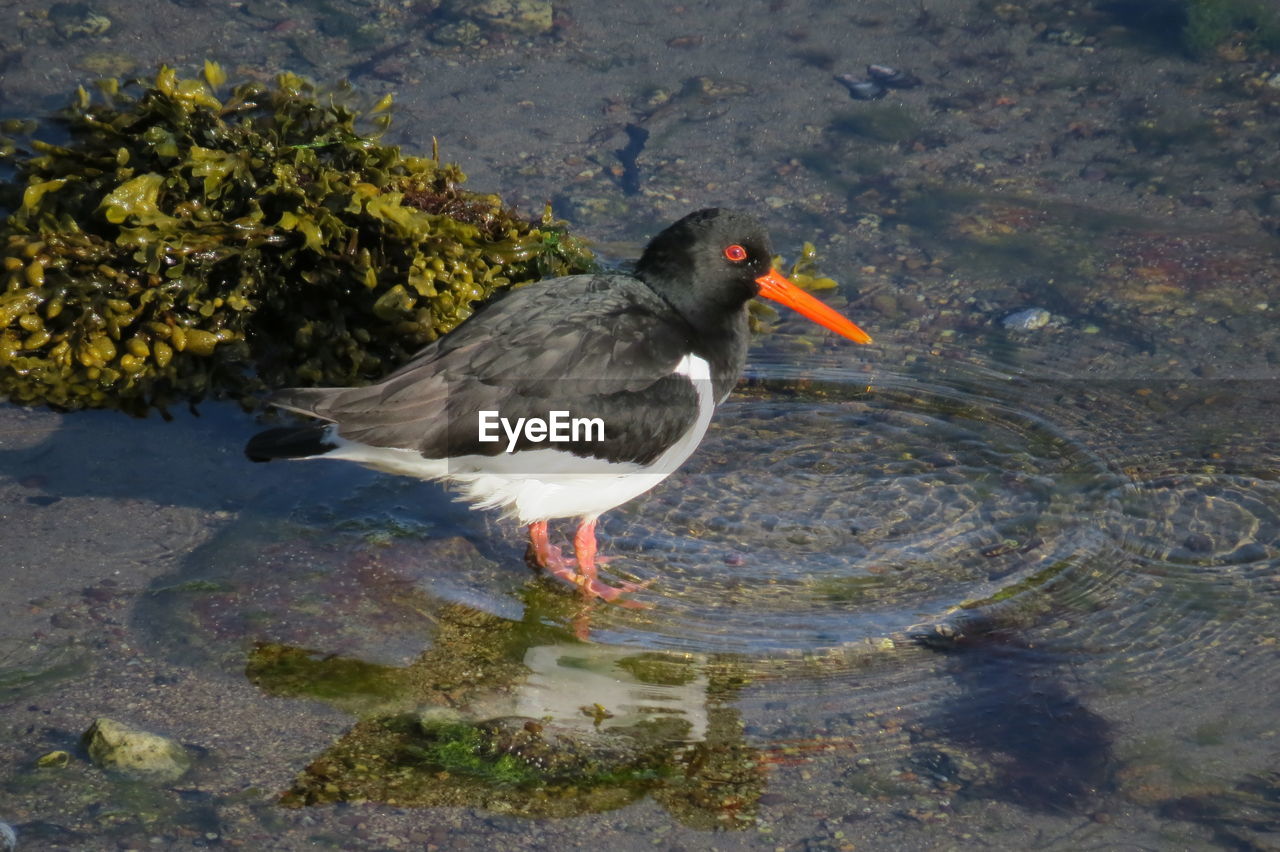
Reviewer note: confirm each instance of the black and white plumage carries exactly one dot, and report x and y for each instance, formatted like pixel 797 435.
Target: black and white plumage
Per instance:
pixel 648 355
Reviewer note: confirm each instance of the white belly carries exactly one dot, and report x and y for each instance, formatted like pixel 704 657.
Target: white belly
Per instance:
pixel 538 485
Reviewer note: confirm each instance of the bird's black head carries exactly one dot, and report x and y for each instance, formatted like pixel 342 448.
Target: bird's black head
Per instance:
pixel 711 263
pixel 706 265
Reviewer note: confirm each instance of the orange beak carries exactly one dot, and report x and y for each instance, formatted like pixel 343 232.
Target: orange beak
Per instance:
pixel 776 287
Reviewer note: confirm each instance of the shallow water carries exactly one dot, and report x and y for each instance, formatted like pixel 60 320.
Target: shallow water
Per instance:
pixel 972 586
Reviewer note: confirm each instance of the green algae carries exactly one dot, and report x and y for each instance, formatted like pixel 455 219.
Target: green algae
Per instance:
pixel 889 124
pixel 426 734
pixel 539 768
pixel 298 673
pixel 26 669
pixel 1209 23
pixel 181 242
pixel 1015 590
pixel 462 748
pixel 517 751
pixel 663 669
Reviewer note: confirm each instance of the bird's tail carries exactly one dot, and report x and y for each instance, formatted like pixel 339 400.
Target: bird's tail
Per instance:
pixel 290 442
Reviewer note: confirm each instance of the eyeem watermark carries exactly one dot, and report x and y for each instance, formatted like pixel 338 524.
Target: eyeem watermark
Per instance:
pixel 558 427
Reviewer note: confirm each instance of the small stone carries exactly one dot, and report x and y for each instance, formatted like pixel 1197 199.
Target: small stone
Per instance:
pixel 1198 543
pixel 1028 320
pixel 8 838
pixel 884 304
pixel 597 208
pixel 54 760
pixel 457 34
pixel 862 90
pixel 113 745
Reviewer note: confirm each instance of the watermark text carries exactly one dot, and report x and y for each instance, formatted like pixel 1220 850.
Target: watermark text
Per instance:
pixel 557 427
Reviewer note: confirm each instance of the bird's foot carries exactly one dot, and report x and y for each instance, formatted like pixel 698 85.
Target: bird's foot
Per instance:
pixel 613 594
pixel 594 587
pixel 555 562
pixel 581 570
pixel 557 565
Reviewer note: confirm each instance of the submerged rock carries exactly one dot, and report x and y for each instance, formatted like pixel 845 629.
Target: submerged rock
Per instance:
pixel 862 90
pixel 114 745
pixel 894 78
pixel 1029 320
pixel 523 17
pixel 457 33
pixel 77 20
pixel 880 79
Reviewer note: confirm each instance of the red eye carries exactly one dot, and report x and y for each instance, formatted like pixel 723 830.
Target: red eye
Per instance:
pixel 735 253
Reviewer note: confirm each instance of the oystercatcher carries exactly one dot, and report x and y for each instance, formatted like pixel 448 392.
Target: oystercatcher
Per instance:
pixel 568 397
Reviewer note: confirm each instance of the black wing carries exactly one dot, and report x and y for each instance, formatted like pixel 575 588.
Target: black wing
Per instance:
pixel 594 346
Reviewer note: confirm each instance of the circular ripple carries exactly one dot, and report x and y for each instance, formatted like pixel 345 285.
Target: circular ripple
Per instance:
pixel 1201 552
pixel 1202 520
pixel 804 524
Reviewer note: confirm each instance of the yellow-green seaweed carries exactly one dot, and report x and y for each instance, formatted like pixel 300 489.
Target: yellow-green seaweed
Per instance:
pixel 180 242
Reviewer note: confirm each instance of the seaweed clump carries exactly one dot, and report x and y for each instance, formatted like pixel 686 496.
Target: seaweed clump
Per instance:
pixel 177 245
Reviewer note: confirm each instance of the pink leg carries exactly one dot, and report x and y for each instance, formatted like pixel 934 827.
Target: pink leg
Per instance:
pixel 584 549
pixel 583 575
pixel 547 555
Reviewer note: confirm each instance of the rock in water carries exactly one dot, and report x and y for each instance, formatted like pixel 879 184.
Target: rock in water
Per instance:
pixel 113 745
pixel 1028 320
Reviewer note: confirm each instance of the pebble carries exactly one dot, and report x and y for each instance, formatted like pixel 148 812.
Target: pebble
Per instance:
pixel 8 838
pixel 863 90
pixel 1028 320
pixel 892 77
pixel 457 34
